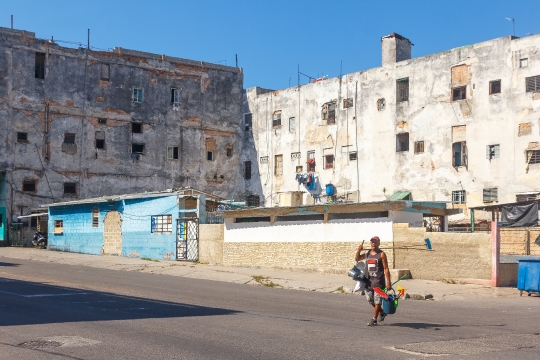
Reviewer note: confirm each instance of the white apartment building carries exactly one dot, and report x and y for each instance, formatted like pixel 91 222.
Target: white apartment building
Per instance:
pixel 461 126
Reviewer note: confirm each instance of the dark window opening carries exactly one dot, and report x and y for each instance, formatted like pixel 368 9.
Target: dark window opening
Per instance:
pixel 69 138
pixel 353 155
pixel 329 161
pixel 347 103
pixel 29 186
pixel 229 150
pixel 33 222
pixel 459 93
pixel 22 137
pixel 175 96
pixel 210 155
pixel 276 119
pixel 495 87
pixel 459 157
pixel 70 188
pixel 172 152
pixel 248 121
pixel 418 147
pixel 299 169
pixel 40 66
pixel 100 144
pixel 137 148
pixel 105 72
pixel 402 142
pixel 532 84
pixel 490 195
pixel 403 89
pixel 252 219
pixel 136 128
pixel 102 121
pixel 247 170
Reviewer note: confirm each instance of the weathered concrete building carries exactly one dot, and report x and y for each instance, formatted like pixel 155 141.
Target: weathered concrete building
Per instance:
pixel 77 123
pixel 460 126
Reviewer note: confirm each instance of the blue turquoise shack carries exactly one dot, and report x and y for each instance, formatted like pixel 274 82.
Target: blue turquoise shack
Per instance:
pixel 155 225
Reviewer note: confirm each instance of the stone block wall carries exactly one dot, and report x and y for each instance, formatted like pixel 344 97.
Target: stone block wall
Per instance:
pixel 454 255
pixel 211 243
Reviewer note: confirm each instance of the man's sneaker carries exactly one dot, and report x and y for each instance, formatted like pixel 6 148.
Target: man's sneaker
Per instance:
pixel 382 316
pixel 372 322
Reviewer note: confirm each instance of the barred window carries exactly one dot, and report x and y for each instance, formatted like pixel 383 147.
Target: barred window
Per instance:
pixel 161 223
pixel 532 84
pixel 490 195
pixel 458 197
pixel 137 95
pixel 533 156
pixel 95 217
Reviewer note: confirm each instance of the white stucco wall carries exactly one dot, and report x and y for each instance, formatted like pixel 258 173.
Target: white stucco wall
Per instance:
pixel 428 116
pixel 413 219
pixel 349 230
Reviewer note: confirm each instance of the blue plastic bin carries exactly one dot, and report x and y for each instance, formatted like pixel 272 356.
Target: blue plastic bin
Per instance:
pixel 529 274
pixel 329 189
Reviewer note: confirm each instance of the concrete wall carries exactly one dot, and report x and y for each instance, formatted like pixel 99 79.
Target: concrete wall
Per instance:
pixel 72 98
pixel 211 243
pixel 429 116
pixel 345 230
pixel 454 255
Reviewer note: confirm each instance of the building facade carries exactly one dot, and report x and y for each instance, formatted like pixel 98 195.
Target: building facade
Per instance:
pixel 78 123
pixel 460 126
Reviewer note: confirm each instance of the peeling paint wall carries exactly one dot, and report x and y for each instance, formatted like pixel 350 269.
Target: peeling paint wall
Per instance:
pixel 78 102
pixel 377 170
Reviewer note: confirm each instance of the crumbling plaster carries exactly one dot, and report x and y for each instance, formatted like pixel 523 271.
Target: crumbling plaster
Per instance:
pixel 428 116
pixel 72 97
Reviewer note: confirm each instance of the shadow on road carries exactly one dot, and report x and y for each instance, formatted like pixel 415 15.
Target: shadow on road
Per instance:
pixel 28 303
pixel 422 325
pixel 8 264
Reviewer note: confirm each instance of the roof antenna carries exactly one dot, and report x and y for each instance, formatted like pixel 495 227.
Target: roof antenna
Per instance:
pixel 513 24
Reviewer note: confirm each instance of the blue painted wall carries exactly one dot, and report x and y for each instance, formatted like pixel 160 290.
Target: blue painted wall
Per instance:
pixel 78 235
pixel 137 237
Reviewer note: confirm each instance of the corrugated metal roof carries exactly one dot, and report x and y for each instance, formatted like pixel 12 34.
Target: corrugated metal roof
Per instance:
pixel 150 194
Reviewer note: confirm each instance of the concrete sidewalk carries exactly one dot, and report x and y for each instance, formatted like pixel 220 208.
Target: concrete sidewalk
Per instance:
pixel 256 276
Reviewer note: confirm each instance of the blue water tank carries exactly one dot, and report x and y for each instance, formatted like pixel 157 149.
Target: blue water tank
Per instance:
pixel 330 189
pixel 529 274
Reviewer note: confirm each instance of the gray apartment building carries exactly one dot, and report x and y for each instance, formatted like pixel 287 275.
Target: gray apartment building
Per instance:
pixel 77 123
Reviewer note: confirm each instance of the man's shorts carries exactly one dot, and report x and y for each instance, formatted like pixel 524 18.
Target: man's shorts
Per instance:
pixel 373 298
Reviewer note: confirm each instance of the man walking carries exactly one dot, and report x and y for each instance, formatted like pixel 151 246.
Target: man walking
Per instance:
pixel 376 271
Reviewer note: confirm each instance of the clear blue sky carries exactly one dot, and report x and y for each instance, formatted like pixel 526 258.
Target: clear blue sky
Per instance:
pixel 272 37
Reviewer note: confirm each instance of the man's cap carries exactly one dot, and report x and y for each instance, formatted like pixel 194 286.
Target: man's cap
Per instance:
pixel 375 238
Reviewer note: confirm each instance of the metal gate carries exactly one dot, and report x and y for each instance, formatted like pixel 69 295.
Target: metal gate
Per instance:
pixel 187 239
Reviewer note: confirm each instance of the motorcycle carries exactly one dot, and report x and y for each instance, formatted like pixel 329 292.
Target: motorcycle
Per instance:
pixel 39 240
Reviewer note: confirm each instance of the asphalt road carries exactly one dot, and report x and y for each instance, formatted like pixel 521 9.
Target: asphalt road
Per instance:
pixel 54 311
